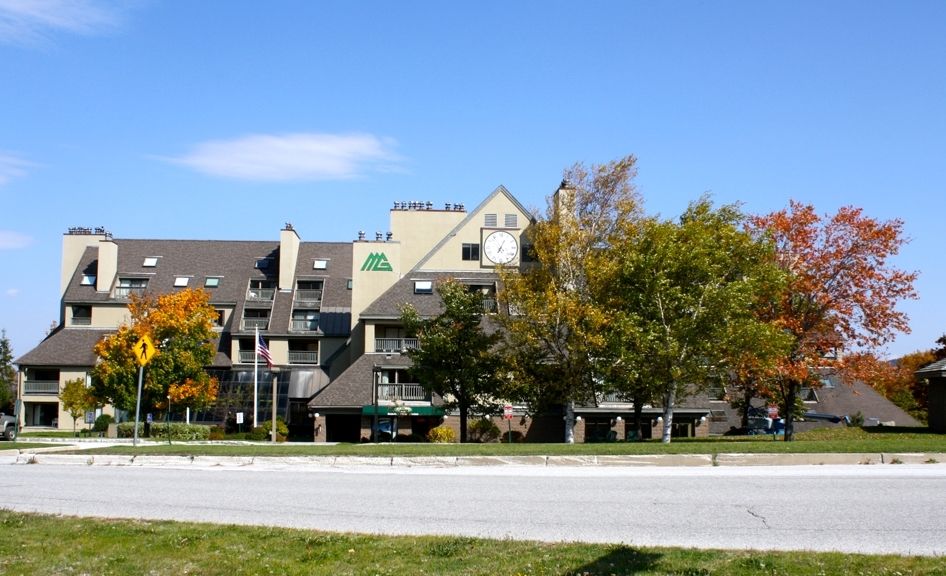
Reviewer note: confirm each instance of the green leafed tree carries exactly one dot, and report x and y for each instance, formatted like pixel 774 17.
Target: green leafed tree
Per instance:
pixel 7 375
pixel 554 328
pixel 77 399
pixel 684 295
pixel 181 326
pixel 456 356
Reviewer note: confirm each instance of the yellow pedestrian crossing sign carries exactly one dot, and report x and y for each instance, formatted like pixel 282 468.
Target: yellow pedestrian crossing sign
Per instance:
pixel 144 350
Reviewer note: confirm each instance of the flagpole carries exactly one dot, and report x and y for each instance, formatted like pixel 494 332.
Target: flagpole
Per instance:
pixel 255 373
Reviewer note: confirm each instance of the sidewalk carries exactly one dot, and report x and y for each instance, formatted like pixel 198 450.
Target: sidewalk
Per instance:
pixel 49 455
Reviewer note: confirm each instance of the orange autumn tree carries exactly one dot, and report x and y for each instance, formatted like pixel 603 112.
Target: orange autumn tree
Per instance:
pixel 181 326
pixel 841 294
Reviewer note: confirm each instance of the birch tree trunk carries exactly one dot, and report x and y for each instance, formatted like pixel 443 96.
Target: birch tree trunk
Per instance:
pixel 669 399
pixel 569 422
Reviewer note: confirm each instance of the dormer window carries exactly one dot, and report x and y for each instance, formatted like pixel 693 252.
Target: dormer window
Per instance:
pixel 129 286
pixel 211 282
pixel 263 263
pixel 150 262
pixel 423 287
pixel 181 281
pixel 87 280
pixel 319 264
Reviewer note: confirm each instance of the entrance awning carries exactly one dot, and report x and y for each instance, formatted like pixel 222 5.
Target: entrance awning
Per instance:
pixel 369 410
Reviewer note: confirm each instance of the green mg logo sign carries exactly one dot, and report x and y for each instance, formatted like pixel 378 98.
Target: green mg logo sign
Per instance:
pixel 376 262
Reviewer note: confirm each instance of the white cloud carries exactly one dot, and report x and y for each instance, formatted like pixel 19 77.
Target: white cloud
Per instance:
pixel 12 167
pixel 288 157
pixel 13 240
pixel 27 22
pixel 12 292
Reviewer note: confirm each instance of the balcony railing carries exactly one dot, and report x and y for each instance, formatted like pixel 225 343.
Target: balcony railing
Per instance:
pixel 614 398
pixel 489 305
pixel 309 295
pixel 127 291
pixel 81 320
pixel 303 357
pixel 247 356
pixel 394 344
pixel 263 294
pixel 41 387
pixel 393 392
pixel 255 323
pixel 304 325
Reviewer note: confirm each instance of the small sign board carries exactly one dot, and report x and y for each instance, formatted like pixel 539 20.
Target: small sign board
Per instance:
pixel 239 417
pixel 144 350
pixel 150 419
pixel 773 411
pixel 90 417
pixel 507 412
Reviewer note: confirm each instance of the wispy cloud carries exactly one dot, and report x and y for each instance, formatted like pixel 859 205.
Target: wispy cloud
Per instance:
pixel 294 157
pixel 29 22
pixel 12 167
pixel 13 240
pixel 12 292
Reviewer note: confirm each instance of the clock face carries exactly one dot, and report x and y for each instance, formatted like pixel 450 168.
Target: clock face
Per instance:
pixel 500 247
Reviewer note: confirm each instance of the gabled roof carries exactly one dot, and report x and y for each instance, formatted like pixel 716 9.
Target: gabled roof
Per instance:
pixel 353 388
pixel 937 368
pixel 65 347
pixel 389 304
pixel 470 216
pixel 74 347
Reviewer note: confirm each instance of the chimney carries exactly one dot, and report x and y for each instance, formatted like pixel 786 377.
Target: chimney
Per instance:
pixel 288 256
pixel 108 265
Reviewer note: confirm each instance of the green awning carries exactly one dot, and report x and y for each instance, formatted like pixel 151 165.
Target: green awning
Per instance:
pixel 369 410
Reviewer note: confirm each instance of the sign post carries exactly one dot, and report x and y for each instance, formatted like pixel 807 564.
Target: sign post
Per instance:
pixel 144 351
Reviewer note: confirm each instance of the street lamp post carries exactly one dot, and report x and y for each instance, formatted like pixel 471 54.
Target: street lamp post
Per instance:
pixel 168 420
pixel 376 376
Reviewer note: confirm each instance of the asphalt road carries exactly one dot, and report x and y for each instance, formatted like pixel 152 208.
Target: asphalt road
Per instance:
pixel 875 509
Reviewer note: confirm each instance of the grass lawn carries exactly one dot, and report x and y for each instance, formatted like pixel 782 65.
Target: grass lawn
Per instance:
pixel 35 544
pixel 817 441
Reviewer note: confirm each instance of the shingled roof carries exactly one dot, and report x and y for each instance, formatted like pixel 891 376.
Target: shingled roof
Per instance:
pixel 65 347
pixel 389 304
pixel 937 368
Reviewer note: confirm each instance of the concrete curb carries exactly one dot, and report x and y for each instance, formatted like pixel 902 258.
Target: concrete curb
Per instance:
pixel 324 462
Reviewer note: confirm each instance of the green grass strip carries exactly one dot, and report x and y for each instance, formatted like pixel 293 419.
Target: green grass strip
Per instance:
pixel 39 544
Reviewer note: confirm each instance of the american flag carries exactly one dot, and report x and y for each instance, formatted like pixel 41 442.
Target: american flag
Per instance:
pixel 262 350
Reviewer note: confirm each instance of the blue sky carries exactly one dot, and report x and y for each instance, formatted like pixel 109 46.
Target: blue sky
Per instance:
pixel 225 119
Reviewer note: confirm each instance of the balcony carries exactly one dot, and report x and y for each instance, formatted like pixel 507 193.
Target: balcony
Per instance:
pixel 260 294
pixel 255 324
pixel 247 357
pixel 50 387
pixel 303 357
pixel 308 295
pixel 81 320
pixel 392 392
pixel 394 344
pixel 124 292
pixel 613 398
pixel 489 306
pixel 308 325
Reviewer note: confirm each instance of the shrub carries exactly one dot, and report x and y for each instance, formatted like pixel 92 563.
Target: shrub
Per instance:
pixel 127 429
pixel 483 430
pixel 102 422
pixel 216 433
pixel 517 437
pixel 282 431
pixel 856 419
pixel 441 435
pixel 180 431
pixel 257 434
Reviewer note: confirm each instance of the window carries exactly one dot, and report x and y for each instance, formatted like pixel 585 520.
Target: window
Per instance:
pixel 87 280
pixel 181 281
pixel 262 263
pixel 348 284
pixel 490 221
pixel 319 264
pixel 150 262
pixel 510 221
pixel 305 320
pixel 471 252
pixel 129 286
pixel 423 287
pixel 212 282
pixel 221 318
pixel 528 253
pixel 81 315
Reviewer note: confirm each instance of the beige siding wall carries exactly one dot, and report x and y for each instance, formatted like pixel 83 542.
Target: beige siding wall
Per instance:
pixel 370 283
pixel 420 230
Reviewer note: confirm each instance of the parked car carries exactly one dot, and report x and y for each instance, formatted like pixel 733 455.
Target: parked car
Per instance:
pixel 8 426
